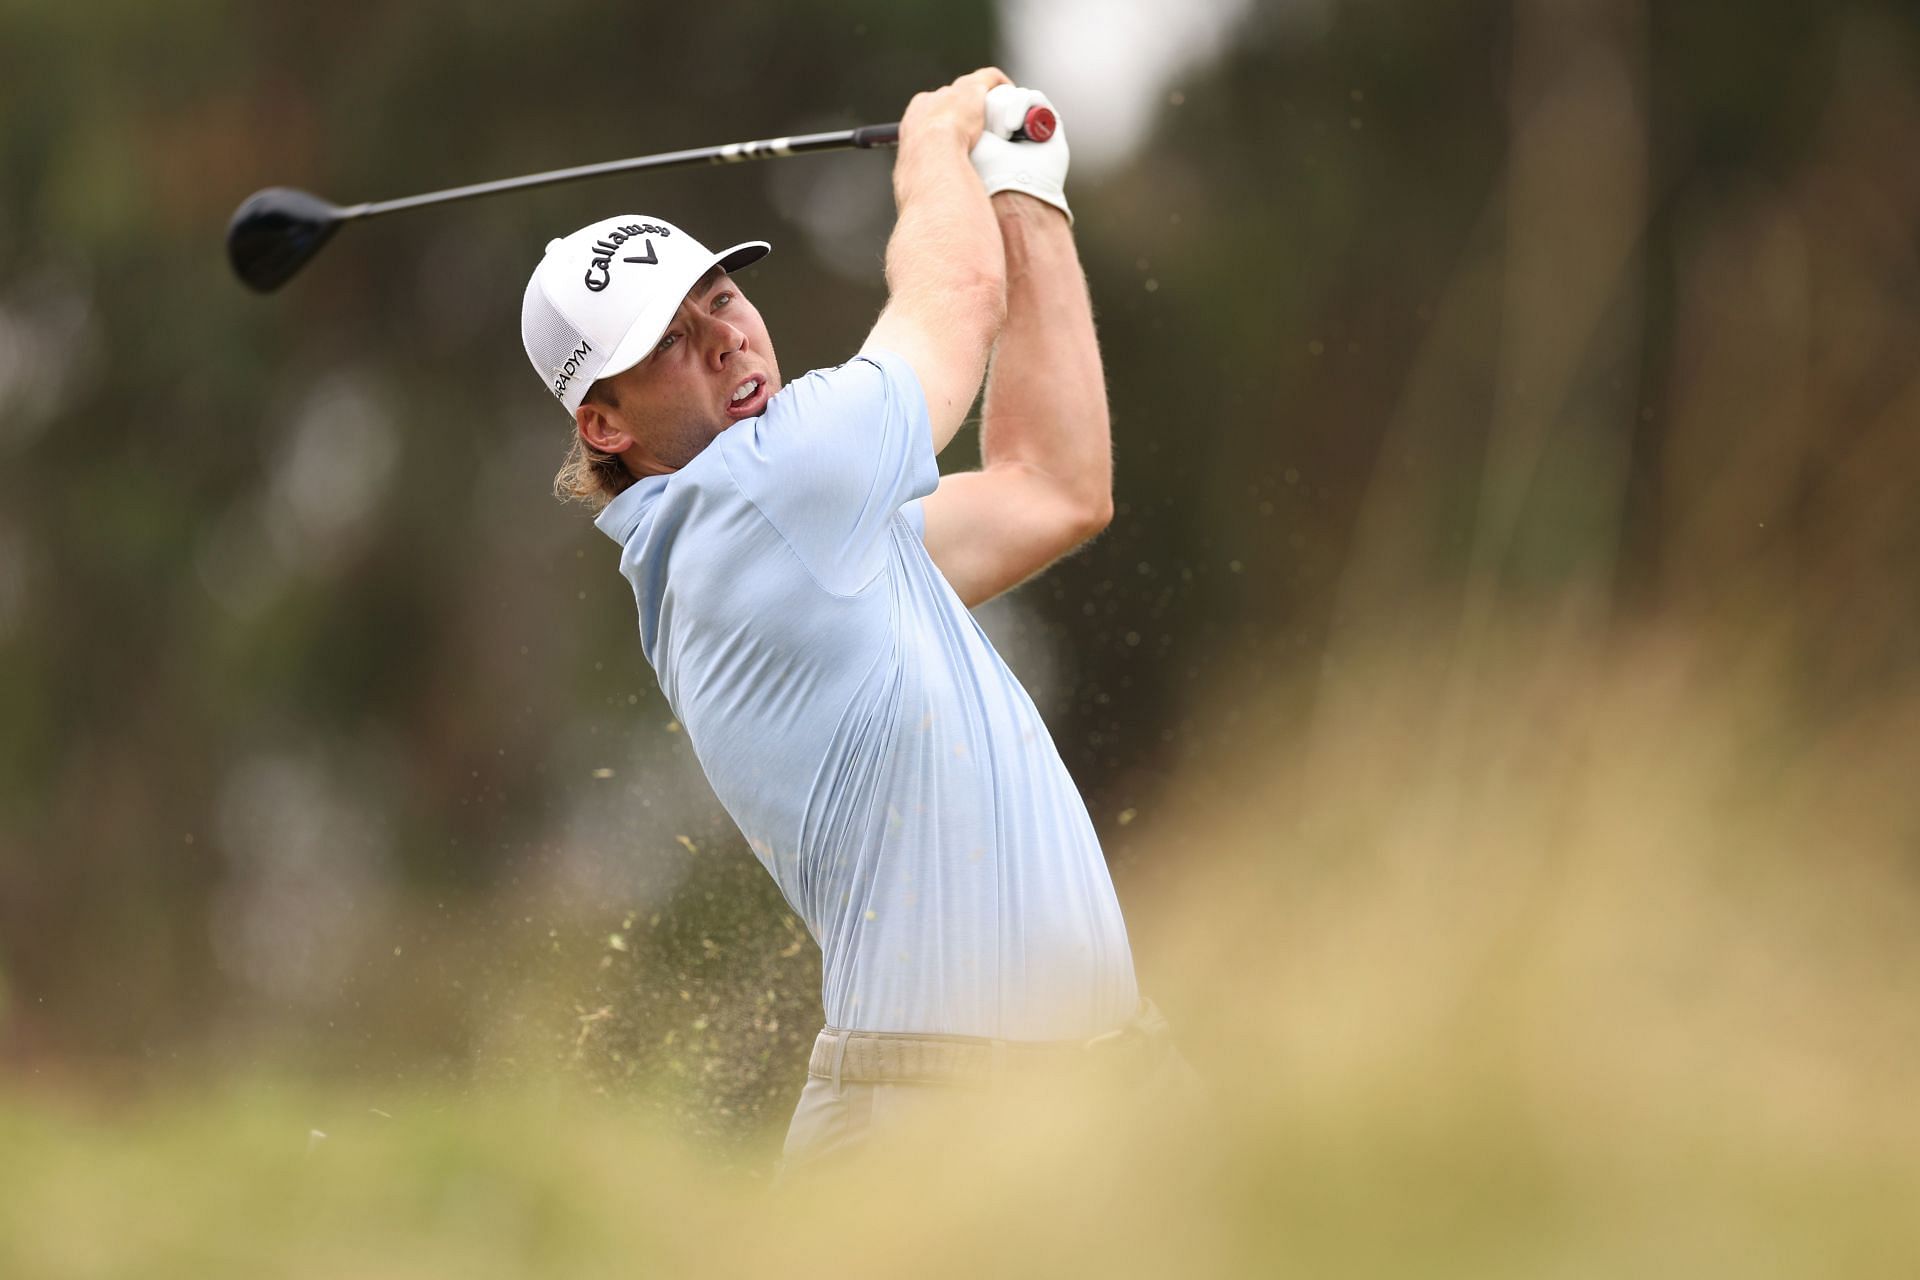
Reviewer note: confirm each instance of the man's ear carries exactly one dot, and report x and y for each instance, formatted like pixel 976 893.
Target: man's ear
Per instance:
pixel 599 431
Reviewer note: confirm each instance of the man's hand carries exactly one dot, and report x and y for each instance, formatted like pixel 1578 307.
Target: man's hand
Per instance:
pixel 959 108
pixel 1038 169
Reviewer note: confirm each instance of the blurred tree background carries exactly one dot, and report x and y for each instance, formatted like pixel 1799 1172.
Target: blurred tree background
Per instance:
pixel 1484 337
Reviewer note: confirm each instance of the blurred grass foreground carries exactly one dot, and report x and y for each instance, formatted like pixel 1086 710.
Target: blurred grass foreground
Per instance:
pixel 1581 962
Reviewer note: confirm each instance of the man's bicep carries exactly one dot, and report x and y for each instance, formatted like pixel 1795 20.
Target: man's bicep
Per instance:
pixel 989 531
pixel 949 367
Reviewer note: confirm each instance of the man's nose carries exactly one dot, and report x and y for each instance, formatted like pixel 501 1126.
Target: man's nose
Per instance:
pixel 723 342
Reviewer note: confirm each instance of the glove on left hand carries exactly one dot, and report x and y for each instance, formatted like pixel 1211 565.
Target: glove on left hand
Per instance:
pixel 1037 168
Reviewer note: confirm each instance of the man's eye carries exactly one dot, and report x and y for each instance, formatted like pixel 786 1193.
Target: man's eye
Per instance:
pixel 722 298
pixel 666 342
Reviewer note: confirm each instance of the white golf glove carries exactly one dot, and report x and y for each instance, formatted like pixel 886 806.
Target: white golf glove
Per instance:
pixel 1037 168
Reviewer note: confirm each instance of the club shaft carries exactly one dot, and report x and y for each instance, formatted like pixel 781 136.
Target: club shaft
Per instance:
pixel 873 135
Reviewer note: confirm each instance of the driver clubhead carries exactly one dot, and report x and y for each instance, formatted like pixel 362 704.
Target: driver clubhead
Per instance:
pixel 275 231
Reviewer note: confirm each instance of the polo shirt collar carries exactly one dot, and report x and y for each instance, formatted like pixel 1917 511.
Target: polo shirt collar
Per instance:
pixel 619 518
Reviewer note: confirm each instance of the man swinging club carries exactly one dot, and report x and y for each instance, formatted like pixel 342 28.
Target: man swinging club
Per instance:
pixel 803 576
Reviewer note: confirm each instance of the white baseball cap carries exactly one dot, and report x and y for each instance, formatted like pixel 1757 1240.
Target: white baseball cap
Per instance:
pixel 601 298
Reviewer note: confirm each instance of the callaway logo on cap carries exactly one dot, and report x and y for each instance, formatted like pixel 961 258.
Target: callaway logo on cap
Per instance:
pixel 602 297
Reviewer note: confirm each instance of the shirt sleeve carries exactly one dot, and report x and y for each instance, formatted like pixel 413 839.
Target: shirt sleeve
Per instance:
pixel 832 460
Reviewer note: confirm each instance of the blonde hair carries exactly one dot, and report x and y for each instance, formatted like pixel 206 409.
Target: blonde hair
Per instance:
pixel 588 475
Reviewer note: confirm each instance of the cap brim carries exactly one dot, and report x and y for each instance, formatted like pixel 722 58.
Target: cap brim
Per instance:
pixel 644 334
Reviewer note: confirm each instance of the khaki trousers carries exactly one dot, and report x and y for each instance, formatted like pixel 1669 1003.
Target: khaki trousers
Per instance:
pixel 841 1115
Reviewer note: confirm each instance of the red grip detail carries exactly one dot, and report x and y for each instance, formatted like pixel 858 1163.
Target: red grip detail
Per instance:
pixel 1040 124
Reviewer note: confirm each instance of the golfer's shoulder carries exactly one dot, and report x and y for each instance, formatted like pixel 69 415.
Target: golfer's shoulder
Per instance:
pixel 862 382
pixel 816 416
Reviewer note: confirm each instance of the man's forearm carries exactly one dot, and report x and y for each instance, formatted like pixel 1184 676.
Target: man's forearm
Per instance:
pixel 945 245
pixel 1046 402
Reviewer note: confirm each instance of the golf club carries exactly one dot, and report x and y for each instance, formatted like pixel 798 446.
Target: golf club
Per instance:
pixel 274 232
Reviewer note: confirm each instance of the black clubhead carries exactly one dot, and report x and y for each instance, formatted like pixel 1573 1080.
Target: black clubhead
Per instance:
pixel 275 231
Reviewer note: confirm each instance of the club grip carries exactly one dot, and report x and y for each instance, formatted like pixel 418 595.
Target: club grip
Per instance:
pixel 877 135
pixel 1038 126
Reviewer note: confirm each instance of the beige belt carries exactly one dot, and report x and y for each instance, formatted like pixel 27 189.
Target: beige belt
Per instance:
pixel 893 1057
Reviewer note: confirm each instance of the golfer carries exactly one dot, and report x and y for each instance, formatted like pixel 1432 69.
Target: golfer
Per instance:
pixel 803 575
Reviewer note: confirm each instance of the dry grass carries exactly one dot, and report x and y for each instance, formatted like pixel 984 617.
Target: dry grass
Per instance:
pixel 1592 963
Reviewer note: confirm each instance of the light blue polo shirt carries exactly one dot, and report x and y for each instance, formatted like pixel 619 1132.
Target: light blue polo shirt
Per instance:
pixel 883 763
